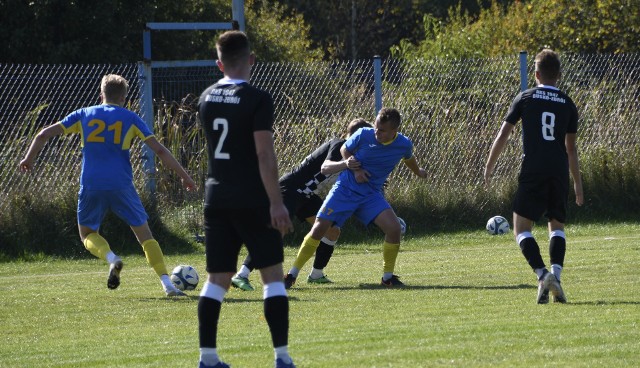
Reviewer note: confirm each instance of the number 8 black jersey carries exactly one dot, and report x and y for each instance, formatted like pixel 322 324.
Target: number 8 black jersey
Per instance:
pixel 547 116
pixel 230 111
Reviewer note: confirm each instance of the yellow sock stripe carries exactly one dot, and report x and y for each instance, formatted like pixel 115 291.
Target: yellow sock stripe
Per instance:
pixel 97 245
pixel 307 250
pixel 389 255
pixel 154 255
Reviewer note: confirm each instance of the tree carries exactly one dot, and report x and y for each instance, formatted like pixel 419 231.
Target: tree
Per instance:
pixel 110 31
pixel 563 25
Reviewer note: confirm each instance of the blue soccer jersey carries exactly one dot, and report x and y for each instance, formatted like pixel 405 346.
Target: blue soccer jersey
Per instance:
pixel 377 158
pixel 106 132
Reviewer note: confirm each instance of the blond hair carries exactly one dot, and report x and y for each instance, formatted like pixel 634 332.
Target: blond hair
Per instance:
pixel 114 87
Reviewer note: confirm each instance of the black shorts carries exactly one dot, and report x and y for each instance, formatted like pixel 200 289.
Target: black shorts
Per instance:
pixel 226 230
pixel 539 195
pixel 301 206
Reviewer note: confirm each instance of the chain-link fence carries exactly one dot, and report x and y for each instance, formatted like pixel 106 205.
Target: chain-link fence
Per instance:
pixel 452 109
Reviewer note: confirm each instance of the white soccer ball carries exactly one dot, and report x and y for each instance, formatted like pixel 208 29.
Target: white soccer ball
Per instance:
pixel 497 225
pixel 403 226
pixel 185 277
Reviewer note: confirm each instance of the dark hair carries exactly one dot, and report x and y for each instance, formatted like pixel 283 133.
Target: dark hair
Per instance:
pixel 389 115
pixel 548 64
pixel 232 47
pixel 354 125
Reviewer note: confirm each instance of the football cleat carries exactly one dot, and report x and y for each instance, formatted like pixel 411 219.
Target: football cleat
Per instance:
pixel 174 292
pixel 114 274
pixel 289 280
pixel 320 280
pixel 543 288
pixel 217 365
pixel 241 283
pixel 394 281
pixel 281 364
pixel 556 291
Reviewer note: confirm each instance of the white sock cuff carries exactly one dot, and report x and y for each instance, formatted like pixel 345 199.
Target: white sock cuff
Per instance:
pixel 273 289
pixel 559 233
pixel 328 242
pixel 213 291
pixel 520 237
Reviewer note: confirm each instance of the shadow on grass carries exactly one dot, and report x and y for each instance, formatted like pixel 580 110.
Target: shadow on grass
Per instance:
pixel 604 302
pixel 195 298
pixel 369 286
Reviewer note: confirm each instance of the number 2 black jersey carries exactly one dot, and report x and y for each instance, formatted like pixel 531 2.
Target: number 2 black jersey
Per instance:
pixel 230 113
pixel 306 177
pixel 547 116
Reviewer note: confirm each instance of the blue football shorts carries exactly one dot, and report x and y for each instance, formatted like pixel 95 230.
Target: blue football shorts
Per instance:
pixel 341 203
pixel 125 203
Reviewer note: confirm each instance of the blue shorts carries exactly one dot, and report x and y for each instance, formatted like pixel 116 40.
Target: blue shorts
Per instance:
pixel 341 203
pixel 125 203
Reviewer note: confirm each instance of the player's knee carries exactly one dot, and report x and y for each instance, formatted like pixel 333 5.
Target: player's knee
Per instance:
pixel 333 233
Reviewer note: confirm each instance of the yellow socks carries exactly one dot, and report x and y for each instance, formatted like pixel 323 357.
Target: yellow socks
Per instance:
pixel 154 255
pixel 307 250
pixel 389 255
pixel 97 245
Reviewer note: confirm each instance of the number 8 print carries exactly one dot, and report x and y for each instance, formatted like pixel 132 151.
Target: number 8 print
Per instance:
pixel 548 123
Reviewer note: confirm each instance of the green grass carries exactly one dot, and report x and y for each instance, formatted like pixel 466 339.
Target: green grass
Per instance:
pixel 470 302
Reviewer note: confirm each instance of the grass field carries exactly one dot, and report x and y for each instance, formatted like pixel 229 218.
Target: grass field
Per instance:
pixel 470 302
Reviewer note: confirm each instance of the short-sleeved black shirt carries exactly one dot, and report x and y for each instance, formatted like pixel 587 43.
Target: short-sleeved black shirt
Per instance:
pixel 306 177
pixel 230 113
pixel 547 116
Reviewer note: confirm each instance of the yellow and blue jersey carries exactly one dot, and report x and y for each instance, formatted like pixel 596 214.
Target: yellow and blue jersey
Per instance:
pixel 379 159
pixel 106 132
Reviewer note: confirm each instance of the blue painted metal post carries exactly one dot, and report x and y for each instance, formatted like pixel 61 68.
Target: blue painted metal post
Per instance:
pixel 146 110
pixel 523 71
pixel 377 82
pixel 237 13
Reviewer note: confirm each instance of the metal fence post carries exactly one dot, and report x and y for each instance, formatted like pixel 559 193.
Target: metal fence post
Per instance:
pixel 146 110
pixel 377 82
pixel 523 71
pixel 237 12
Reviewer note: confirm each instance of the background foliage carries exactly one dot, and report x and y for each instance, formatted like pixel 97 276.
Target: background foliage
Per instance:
pixel 110 31
pixel 610 26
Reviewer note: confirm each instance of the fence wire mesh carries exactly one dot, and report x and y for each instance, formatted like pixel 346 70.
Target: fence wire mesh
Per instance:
pixel 452 109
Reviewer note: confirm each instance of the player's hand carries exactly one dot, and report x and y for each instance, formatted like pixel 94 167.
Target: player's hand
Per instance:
pixel 422 173
pixel 25 166
pixel 189 184
pixel 280 219
pixel 352 163
pixel 362 175
pixel 579 196
pixel 487 177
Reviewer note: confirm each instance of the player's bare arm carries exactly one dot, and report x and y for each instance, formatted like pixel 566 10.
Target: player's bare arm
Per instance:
pixel 268 167
pixel 496 149
pixel 167 158
pixel 38 143
pixel 574 166
pixel 332 167
pixel 362 175
pixel 412 164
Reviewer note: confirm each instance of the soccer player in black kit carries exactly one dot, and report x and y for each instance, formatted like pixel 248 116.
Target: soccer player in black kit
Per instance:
pixel 299 188
pixel 243 203
pixel 549 126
